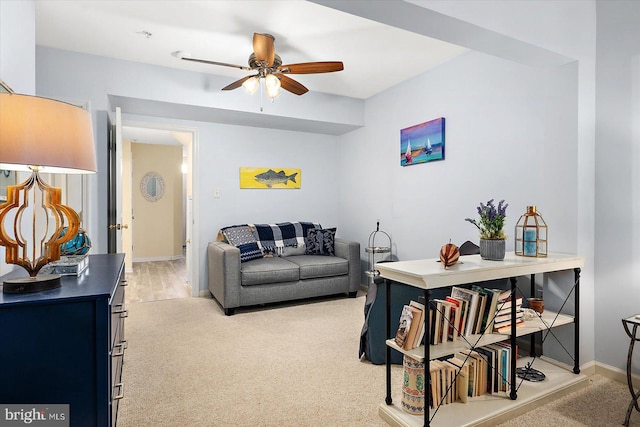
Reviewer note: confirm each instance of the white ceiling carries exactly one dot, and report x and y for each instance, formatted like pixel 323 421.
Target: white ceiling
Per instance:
pixel 375 56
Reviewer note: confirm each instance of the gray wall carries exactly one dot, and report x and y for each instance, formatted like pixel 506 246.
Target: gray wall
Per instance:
pixel 555 37
pixel 18 45
pixel 618 177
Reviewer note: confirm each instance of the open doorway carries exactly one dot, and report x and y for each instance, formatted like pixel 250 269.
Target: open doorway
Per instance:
pixel 156 193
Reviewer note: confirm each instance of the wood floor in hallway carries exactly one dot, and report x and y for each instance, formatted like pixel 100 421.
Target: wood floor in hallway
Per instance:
pixel 157 280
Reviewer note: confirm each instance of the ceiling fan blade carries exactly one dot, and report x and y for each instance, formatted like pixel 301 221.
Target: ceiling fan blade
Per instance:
pixel 224 64
pixel 287 83
pixel 312 67
pixel 237 83
pixel 263 48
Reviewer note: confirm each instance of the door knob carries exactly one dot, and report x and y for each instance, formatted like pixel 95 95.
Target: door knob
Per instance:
pixel 118 226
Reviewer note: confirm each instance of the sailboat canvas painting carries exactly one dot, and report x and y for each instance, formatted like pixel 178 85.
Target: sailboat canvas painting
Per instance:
pixel 422 143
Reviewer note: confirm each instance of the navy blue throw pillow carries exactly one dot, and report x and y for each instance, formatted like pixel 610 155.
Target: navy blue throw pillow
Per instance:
pixel 249 251
pixel 320 241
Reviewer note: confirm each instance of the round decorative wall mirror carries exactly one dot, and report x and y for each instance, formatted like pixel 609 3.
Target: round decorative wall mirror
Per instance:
pixel 152 186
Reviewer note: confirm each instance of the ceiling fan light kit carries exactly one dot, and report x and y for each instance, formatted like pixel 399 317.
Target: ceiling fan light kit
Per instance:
pixel 251 85
pixel 269 67
pixel 272 84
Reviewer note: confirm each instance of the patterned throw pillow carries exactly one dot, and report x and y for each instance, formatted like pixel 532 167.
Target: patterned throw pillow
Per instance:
pixel 238 235
pixel 242 237
pixel 249 251
pixel 292 251
pixel 320 241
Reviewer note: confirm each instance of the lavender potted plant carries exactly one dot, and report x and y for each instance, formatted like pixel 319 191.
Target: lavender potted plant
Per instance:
pixel 491 226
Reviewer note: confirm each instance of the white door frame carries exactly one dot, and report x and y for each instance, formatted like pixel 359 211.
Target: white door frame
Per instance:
pixel 193 269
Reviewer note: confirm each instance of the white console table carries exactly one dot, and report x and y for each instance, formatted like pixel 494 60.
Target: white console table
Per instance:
pixel 429 274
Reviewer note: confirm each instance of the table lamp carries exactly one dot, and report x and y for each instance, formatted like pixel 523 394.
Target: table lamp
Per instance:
pixel 39 135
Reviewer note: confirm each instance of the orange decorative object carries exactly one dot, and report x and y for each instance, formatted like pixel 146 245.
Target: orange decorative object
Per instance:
pixel 34 246
pixel 449 254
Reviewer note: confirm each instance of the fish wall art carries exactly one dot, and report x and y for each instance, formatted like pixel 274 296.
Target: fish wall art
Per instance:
pixel 422 143
pixel 270 178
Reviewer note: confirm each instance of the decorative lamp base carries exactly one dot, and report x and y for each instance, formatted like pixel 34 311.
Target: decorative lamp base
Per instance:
pixel 23 285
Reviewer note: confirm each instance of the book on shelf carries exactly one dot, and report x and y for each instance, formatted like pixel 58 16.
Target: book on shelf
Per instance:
pixel 505 327
pixel 504 363
pixel 436 322
pixel 472 300
pixel 461 306
pixel 434 382
pixel 506 317
pixel 455 325
pixel 504 305
pixel 473 367
pixel 492 371
pixel 487 310
pixel 445 311
pixel 481 371
pixel 444 376
pixel 415 333
pixel 493 309
pixel 404 325
pixel 462 378
pixel 482 302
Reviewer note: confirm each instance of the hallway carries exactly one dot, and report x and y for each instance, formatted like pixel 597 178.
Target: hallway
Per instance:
pixel 157 280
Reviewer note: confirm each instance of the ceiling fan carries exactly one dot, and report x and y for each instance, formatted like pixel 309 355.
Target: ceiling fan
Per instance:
pixel 268 66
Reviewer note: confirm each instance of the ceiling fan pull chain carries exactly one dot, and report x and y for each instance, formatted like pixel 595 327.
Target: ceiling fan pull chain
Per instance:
pixel 261 93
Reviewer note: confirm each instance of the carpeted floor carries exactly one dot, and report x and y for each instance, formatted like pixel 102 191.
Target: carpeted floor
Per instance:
pixel 292 365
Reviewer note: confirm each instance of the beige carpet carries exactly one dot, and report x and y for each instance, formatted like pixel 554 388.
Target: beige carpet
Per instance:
pixel 292 365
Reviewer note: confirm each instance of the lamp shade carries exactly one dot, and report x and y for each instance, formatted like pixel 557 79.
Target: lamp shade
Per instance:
pixel 272 83
pixel 251 84
pixel 54 136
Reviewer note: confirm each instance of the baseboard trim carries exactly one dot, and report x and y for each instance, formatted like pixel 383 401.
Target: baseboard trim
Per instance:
pixel 616 374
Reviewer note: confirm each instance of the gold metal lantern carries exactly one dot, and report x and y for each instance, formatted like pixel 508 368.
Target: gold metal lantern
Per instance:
pixel 531 234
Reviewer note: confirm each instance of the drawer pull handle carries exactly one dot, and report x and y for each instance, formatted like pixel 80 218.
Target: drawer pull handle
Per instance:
pixel 124 283
pixel 119 386
pixel 124 313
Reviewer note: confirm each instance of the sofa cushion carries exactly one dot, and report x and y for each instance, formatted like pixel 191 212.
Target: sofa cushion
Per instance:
pixel 320 241
pixel 314 266
pixel 268 270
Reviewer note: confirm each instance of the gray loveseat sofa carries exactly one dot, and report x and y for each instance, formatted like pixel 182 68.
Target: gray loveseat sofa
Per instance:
pixel 280 278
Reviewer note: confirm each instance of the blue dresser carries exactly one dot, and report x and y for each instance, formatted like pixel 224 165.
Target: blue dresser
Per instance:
pixel 66 345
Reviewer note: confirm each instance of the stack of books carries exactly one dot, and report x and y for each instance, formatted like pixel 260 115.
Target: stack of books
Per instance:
pixel 470 373
pixel 502 321
pixel 411 326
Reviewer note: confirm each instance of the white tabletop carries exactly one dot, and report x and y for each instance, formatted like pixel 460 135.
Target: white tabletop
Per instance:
pixel 430 273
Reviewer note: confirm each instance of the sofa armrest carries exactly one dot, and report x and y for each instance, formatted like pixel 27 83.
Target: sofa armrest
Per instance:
pixel 351 252
pixel 224 274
